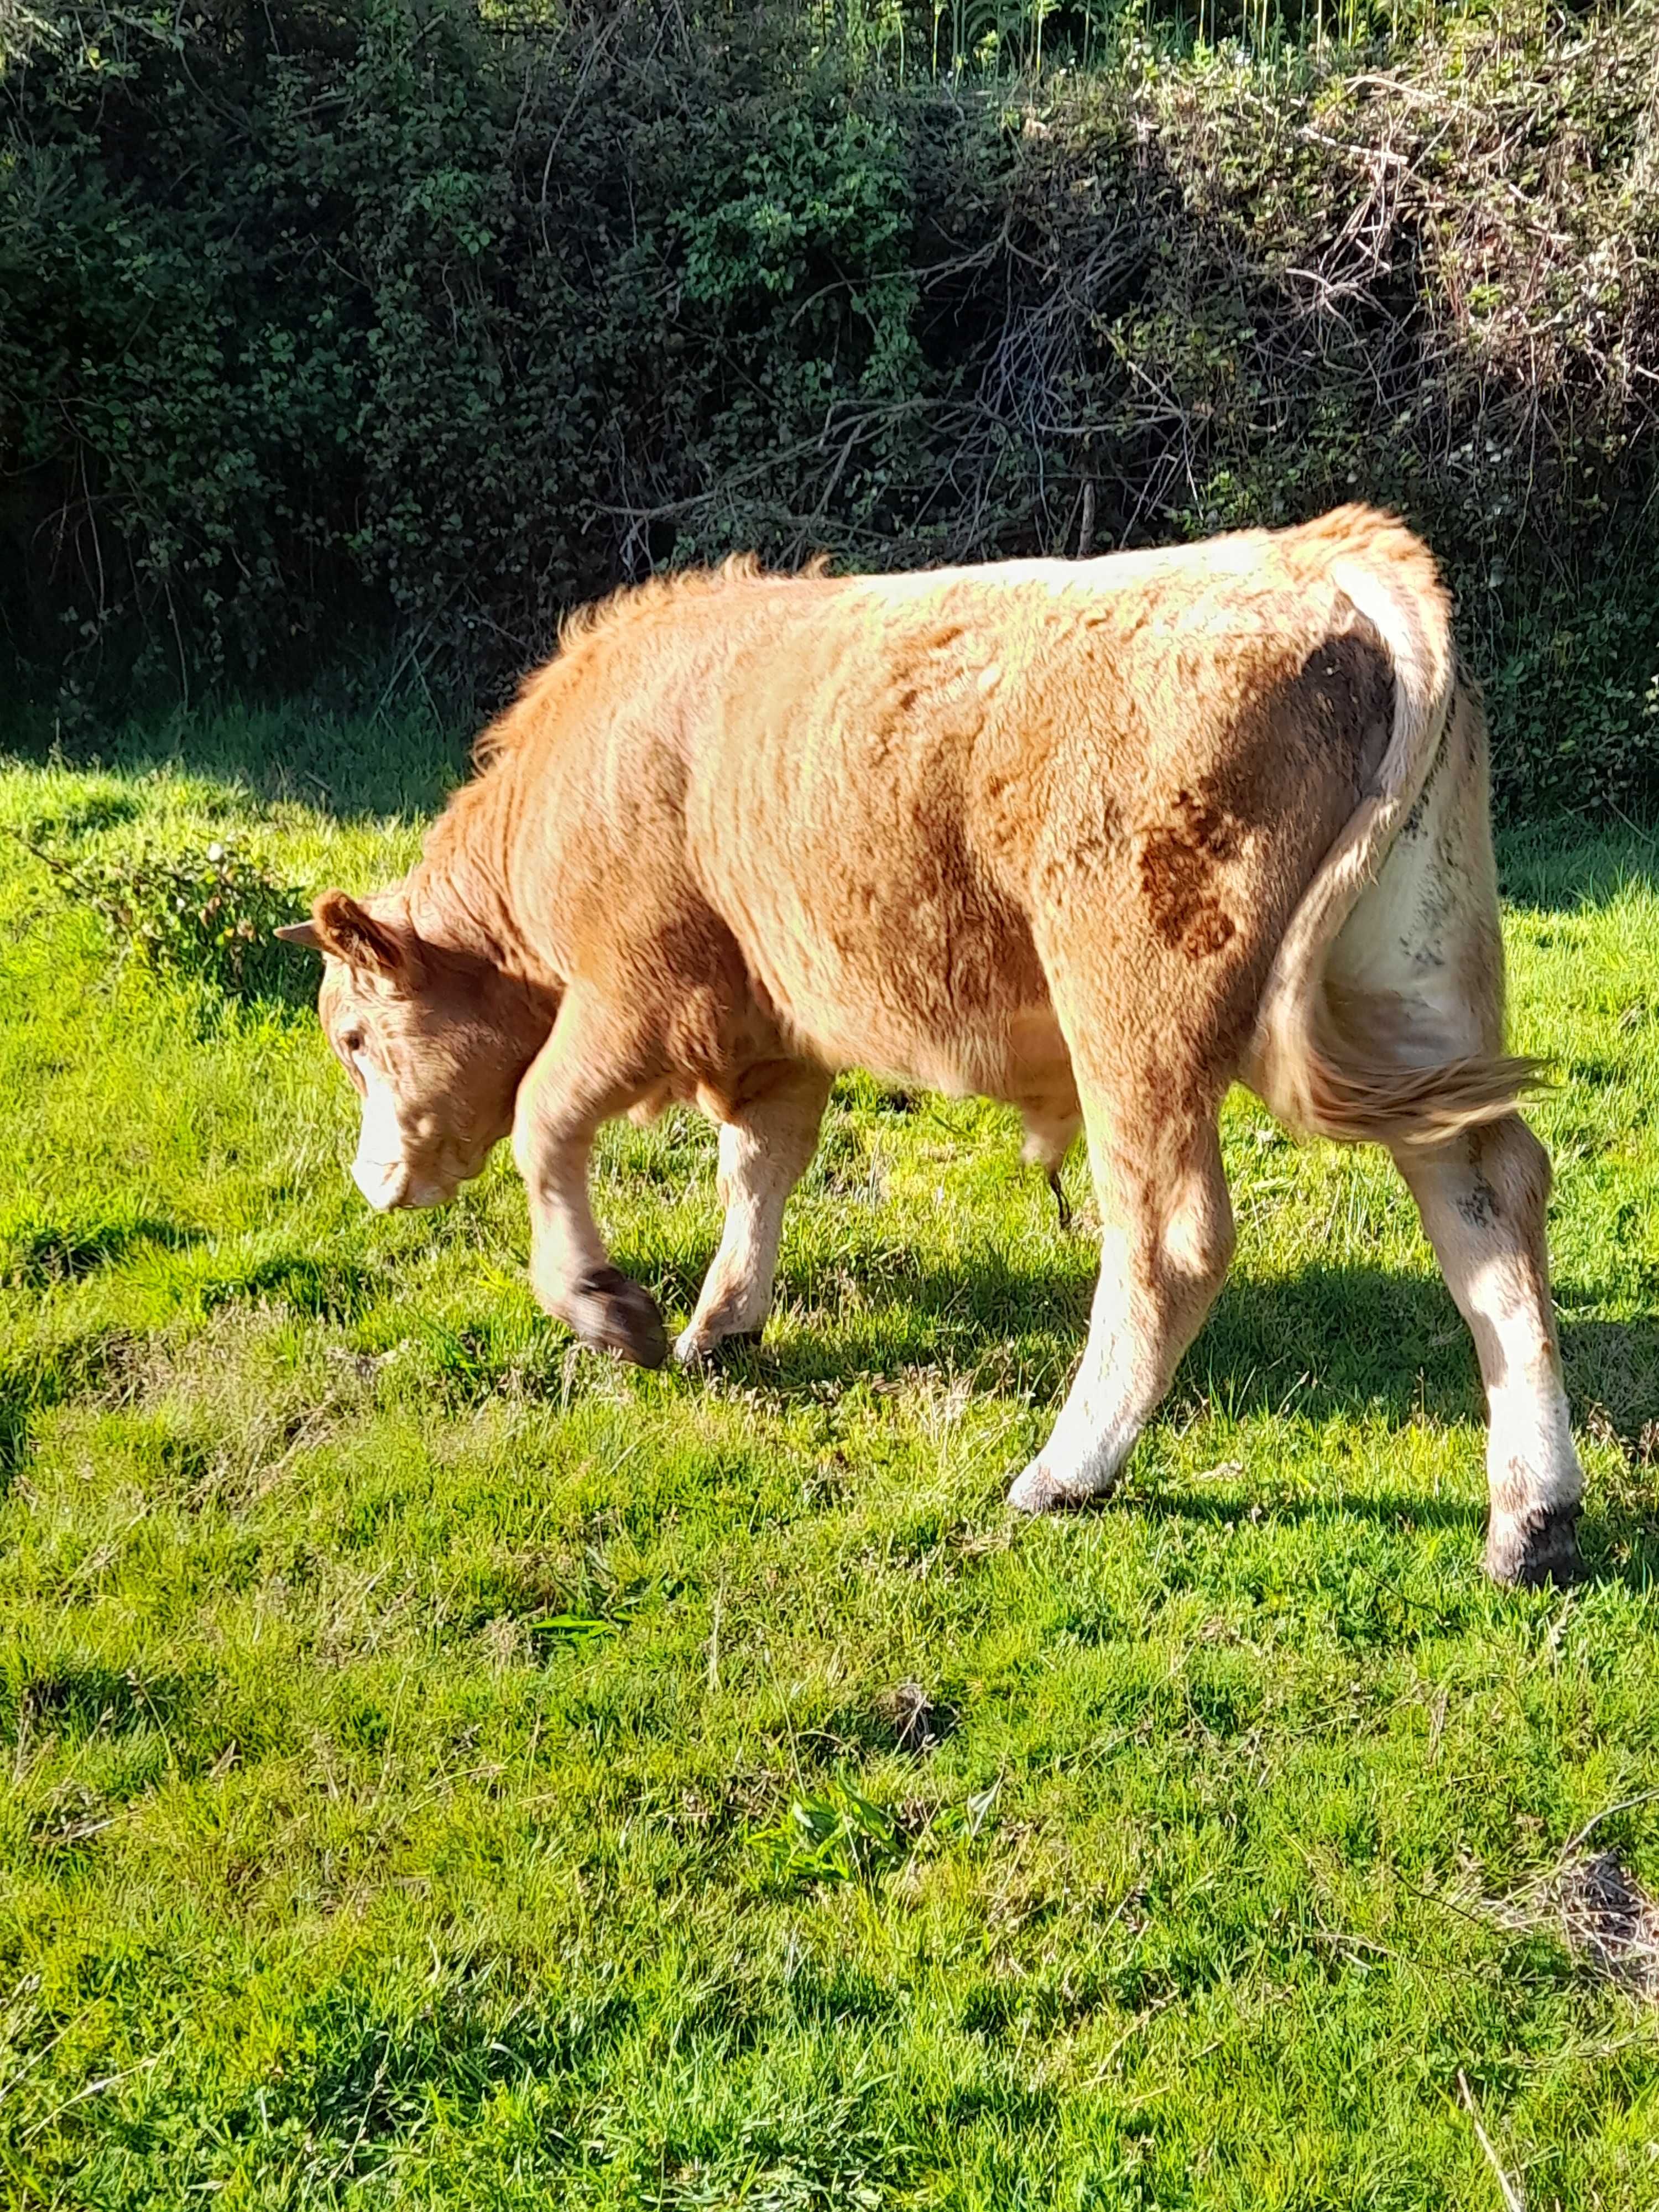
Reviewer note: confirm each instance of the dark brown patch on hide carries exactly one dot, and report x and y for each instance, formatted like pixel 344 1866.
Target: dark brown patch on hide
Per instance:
pixel 1178 861
pixel 1478 1204
pixel 1344 695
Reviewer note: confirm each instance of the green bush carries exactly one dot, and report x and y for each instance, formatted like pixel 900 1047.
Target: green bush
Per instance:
pixel 376 334
pixel 206 916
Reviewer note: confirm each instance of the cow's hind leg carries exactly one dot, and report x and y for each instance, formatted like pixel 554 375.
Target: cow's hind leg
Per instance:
pixel 766 1142
pixel 596 1063
pixel 1423 947
pixel 1482 1199
pixel 1167 1242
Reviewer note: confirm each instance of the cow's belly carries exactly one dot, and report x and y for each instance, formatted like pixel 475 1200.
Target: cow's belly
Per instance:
pixel 1022 1061
pixel 964 1013
pixel 874 928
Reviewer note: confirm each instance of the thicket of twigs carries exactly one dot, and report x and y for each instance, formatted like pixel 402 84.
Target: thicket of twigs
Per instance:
pixel 374 335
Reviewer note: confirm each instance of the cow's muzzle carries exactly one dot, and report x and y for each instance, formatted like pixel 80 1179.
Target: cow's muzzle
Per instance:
pixel 389 1185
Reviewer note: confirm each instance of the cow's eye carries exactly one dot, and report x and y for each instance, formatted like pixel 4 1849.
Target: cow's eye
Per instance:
pixel 352 1041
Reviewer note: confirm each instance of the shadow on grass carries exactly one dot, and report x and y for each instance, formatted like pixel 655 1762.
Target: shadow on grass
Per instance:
pixel 1326 1344
pixel 1618 1543
pixel 1566 868
pixel 16 1408
pixel 1399 1508
pixel 83 817
pixel 323 1290
pixel 81 1701
pixel 57 1252
pixel 356 768
pixel 98 1361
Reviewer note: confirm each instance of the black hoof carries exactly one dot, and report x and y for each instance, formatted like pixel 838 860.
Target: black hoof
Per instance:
pixel 609 1313
pixel 1531 1552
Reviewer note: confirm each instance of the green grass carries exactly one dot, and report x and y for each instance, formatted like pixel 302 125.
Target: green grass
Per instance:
pixel 443 1769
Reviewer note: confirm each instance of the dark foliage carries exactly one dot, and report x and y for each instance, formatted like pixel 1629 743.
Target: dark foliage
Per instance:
pixel 381 332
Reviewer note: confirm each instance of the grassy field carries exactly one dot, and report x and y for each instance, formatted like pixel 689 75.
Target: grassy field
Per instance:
pixel 443 1769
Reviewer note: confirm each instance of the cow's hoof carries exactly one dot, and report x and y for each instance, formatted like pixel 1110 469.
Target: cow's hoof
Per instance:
pixel 1038 1491
pixel 1534 1549
pixel 610 1313
pixel 694 1347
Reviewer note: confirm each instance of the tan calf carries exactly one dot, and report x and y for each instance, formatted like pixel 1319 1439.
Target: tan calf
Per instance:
pixel 1098 838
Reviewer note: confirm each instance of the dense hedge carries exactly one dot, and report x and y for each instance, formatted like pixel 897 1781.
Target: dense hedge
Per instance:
pixel 346 334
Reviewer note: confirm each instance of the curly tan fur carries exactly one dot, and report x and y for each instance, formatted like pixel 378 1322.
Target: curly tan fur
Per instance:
pixel 1096 837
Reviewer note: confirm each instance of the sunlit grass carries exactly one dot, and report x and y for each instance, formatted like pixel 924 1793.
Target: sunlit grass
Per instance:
pixel 444 1768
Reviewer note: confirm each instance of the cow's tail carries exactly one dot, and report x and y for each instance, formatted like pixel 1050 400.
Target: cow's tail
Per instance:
pixel 1351 1065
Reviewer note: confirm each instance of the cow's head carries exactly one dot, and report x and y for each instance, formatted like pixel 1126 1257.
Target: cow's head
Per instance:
pixel 436 1041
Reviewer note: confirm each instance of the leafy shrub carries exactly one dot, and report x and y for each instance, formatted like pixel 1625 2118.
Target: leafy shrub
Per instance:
pixel 207 916
pixel 332 331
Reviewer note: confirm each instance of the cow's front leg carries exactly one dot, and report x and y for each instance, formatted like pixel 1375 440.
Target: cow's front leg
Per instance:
pixel 1167 1243
pixel 766 1143
pixel 595 1065
pixel 1482 1199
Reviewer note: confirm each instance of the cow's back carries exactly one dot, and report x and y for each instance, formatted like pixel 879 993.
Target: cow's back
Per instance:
pixel 898 780
pixel 881 789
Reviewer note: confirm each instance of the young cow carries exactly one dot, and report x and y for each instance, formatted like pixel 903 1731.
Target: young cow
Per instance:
pixel 1096 837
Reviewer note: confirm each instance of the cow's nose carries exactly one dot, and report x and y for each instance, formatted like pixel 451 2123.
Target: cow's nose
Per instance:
pixel 384 1183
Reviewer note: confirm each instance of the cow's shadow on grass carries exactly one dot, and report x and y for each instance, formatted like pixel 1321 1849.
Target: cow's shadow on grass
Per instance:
pixel 1323 1344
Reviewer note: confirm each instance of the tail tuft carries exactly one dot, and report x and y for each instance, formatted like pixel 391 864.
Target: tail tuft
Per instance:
pixel 1361 1067
pixel 1352 1090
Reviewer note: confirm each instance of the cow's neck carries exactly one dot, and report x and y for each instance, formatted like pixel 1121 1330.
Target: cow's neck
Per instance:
pixel 458 898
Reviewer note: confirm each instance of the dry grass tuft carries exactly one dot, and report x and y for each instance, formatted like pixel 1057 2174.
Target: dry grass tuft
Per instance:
pixel 1600 1912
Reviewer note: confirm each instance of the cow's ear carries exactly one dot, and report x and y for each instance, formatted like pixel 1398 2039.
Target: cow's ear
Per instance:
pixel 298 933
pixel 362 939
